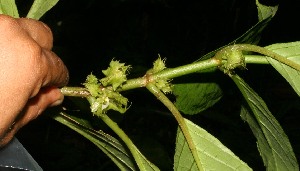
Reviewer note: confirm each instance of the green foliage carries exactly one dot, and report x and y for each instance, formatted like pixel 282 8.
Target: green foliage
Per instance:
pixel 252 36
pixel 108 144
pixel 273 143
pixel 292 52
pixel 212 153
pixel 196 149
pixel 40 7
pixel 9 7
pixel 194 98
pixel 265 11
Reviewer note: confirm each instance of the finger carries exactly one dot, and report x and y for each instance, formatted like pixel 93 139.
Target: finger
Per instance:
pixel 49 96
pixel 55 72
pixel 39 31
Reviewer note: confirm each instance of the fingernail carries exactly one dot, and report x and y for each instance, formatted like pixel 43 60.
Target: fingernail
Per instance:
pixel 57 102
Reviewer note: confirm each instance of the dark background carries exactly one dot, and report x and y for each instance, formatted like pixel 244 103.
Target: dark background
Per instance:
pixel 88 34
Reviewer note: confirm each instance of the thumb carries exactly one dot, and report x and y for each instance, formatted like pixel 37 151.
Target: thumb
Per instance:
pixel 48 96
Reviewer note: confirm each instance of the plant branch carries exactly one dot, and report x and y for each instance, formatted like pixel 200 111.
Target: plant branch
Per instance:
pixel 135 153
pixel 164 99
pixel 168 73
pixel 75 91
pixel 256 59
pixel 264 51
pixel 171 73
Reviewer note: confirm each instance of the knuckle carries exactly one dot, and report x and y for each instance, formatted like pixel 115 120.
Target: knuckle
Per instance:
pixel 7 21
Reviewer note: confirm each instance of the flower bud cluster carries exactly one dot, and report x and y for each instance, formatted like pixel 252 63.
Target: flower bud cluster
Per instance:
pixel 163 84
pixel 115 74
pixel 103 92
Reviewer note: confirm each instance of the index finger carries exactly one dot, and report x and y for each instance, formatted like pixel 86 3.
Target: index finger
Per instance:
pixel 38 31
pixel 55 71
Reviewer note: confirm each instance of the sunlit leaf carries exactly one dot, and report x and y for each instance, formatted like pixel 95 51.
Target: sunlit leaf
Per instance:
pixel 40 7
pixel 193 98
pixel 273 143
pixel 9 7
pixel 212 153
pixel 292 52
pixel 109 145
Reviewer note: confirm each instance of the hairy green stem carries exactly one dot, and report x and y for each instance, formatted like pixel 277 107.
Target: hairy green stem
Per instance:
pixel 75 91
pixel 256 59
pixel 168 73
pixel 187 69
pixel 264 51
pixel 135 153
pixel 164 99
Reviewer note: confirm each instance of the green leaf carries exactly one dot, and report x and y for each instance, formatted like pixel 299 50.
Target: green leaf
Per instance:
pixel 273 143
pixel 292 52
pixel 109 145
pixel 40 7
pixel 194 98
pixel 265 11
pixel 9 7
pixel 252 36
pixel 212 153
pixel 262 143
pixel 147 165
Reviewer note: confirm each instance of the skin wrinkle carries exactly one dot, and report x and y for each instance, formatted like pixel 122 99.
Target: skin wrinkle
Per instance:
pixel 34 70
pixel 30 73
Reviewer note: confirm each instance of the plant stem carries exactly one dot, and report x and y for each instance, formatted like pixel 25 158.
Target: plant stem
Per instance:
pixel 164 99
pixel 134 151
pixel 187 69
pixel 75 91
pixel 170 73
pixel 256 59
pixel 198 66
pixel 264 51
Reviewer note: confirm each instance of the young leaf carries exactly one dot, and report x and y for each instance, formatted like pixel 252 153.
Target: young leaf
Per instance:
pixel 265 11
pixel 277 153
pixel 40 7
pixel 292 52
pixel 109 145
pixel 194 98
pixel 213 154
pixel 9 7
pixel 252 36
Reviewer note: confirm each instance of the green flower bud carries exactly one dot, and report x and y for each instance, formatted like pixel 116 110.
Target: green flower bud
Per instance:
pixel 159 65
pixel 164 85
pixel 115 74
pixel 235 58
pixel 92 85
pixel 103 98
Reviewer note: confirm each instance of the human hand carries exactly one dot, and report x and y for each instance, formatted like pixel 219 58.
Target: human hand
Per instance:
pixel 30 73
